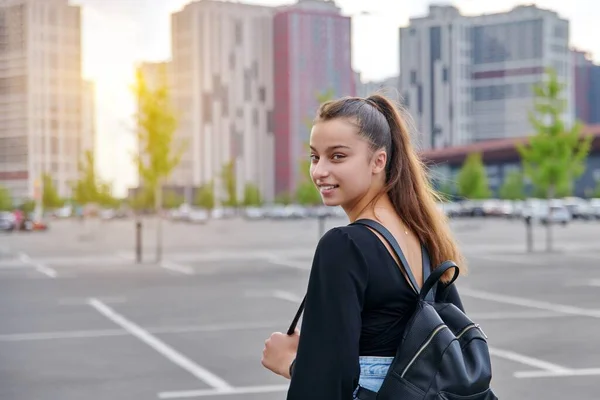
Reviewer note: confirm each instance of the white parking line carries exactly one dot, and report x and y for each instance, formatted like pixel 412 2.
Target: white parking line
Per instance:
pixel 529 361
pixel 583 283
pixel 187 394
pixel 25 259
pixel 524 302
pixel 284 262
pixel 182 269
pixel 78 301
pixel 177 358
pixel 289 296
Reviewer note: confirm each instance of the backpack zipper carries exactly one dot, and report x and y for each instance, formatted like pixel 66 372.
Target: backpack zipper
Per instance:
pixel 468 328
pixel 433 334
pixel 423 347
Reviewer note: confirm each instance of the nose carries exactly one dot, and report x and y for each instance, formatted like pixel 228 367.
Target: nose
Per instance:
pixel 319 170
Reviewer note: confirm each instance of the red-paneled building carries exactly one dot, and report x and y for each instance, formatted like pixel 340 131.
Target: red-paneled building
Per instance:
pixel 312 54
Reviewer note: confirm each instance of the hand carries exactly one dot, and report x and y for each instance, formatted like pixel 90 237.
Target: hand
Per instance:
pixel 279 352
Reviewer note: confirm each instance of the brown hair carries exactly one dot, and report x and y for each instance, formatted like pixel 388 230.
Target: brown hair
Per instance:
pixel 381 123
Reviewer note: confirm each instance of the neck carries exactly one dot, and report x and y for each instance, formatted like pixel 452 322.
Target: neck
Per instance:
pixel 366 207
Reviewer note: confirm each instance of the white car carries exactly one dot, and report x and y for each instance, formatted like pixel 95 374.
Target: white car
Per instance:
pixel 556 214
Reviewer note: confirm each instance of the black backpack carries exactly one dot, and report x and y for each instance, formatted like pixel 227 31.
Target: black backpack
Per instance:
pixel 443 355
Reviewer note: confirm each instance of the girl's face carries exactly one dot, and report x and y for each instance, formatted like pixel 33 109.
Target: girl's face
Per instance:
pixel 343 166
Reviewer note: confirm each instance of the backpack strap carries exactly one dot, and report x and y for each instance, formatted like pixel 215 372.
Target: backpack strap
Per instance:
pixel 382 230
pixel 435 277
pixel 429 295
pixel 427 272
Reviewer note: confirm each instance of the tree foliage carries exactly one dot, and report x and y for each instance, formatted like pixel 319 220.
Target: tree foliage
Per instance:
pixel 6 202
pixel 555 156
pixel 89 188
pixel 159 152
pixel 513 187
pixel 50 196
pixel 205 196
pixel 252 197
pixel 472 179
pixel 230 184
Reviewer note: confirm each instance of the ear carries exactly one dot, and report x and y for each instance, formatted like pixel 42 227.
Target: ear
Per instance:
pixel 379 161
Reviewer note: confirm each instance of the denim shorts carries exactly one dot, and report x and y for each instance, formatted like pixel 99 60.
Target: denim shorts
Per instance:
pixel 372 372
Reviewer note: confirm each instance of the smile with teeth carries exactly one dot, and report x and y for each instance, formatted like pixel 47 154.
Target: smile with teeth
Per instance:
pixel 326 188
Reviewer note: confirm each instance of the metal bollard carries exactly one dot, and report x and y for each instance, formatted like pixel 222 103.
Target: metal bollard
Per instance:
pixel 529 232
pixel 321 219
pixel 138 241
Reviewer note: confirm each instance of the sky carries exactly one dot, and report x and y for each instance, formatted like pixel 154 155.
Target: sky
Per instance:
pixel 117 34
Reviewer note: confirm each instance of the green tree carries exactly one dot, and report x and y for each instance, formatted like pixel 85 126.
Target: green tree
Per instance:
pixel 283 199
pixel 205 196
pixel 142 200
pixel 6 202
pixel 105 196
pixel 595 193
pixel 555 156
pixel 230 184
pixel 50 197
pixel 159 151
pixel 252 197
pixel 172 200
pixel 89 188
pixel 513 187
pixel 28 206
pixel 306 191
pixel 472 179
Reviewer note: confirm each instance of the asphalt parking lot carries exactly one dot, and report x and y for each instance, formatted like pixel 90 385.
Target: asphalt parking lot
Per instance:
pixel 82 320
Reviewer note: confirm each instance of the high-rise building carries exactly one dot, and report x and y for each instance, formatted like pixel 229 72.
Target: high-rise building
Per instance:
pixel 312 57
pixel 88 117
pixel 222 77
pixel 586 85
pixel 387 86
pixel 155 72
pixel 594 95
pixel 469 78
pixel 40 94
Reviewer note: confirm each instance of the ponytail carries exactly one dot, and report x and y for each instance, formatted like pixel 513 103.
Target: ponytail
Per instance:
pixel 411 193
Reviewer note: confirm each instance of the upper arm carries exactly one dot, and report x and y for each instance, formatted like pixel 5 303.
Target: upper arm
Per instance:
pixel 327 359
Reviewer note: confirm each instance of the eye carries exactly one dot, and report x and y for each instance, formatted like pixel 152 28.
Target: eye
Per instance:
pixel 314 158
pixel 338 156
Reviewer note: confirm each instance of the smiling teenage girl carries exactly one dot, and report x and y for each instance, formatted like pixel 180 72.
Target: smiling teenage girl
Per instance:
pixel 363 161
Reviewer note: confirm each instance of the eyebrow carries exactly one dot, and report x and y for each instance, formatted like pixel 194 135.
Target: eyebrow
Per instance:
pixel 337 146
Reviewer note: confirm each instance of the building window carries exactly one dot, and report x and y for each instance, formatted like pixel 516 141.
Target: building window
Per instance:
pixel 224 101
pixel 247 85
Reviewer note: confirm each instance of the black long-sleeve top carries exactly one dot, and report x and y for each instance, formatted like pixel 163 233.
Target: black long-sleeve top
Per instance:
pixel 355 304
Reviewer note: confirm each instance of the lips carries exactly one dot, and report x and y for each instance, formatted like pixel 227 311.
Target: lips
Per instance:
pixel 327 190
